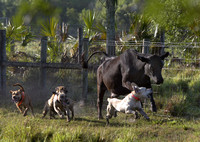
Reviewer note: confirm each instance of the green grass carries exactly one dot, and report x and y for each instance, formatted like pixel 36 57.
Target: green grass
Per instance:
pixel 86 127
pixel 179 94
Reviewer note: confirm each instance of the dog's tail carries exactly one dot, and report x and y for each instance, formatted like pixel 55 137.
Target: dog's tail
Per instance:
pixel 21 88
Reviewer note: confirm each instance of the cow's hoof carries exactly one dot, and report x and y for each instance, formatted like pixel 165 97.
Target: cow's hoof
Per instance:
pixel 153 109
pixel 148 119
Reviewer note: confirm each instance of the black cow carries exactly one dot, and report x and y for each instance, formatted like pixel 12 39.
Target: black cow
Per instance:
pixel 118 74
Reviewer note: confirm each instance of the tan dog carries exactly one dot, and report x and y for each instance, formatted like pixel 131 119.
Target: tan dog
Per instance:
pixel 130 104
pixel 21 100
pixel 59 104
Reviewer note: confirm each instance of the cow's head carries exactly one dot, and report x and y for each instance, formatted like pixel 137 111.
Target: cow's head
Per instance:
pixel 153 66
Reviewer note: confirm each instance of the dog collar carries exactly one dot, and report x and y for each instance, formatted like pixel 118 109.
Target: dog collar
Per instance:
pixel 20 102
pixel 138 99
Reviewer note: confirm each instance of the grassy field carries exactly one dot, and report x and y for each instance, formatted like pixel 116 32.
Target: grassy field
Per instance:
pixel 179 95
pixel 86 127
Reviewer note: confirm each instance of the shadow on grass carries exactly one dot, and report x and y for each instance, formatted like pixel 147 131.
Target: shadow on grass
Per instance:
pixel 101 122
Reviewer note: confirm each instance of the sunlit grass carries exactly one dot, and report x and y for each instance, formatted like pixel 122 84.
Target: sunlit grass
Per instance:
pixel 86 127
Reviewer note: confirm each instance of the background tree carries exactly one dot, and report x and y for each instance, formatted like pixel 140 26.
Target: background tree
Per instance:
pixel 110 22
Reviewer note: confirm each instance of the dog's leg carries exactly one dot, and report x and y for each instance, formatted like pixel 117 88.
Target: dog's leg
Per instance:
pixel 115 113
pixel 45 109
pixel 72 110
pixel 143 113
pixel 113 95
pixel 58 111
pixel 19 109
pixel 107 120
pixel 129 111
pixel 52 112
pixel 110 112
pixel 136 115
pixel 25 111
pixel 67 113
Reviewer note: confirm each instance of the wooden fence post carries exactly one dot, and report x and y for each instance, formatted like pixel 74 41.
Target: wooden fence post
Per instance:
pixel 85 71
pixel 43 62
pixel 145 48
pixel 2 61
pixel 162 40
pixel 80 41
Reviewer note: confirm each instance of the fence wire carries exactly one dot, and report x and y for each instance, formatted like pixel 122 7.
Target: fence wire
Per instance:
pixel 184 57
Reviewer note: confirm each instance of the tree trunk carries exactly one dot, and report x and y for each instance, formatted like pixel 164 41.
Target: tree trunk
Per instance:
pixel 110 19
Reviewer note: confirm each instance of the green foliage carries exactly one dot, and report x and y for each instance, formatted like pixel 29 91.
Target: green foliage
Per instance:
pixel 55 48
pixel 88 18
pixel 124 11
pixel 72 16
pixel 20 33
pixel 8 7
pixel 180 93
pixel 175 16
pixel 49 28
pixel 35 12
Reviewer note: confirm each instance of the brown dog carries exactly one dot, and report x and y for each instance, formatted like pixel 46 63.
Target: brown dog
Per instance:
pixel 21 100
pixel 59 104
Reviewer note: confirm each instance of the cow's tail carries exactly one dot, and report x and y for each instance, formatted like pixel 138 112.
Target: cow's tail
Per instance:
pixel 85 62
pixel 21 88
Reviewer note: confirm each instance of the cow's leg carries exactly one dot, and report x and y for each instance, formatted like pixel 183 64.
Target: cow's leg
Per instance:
pixel 126 71
pixel 100 94
pixel 153 105
pixel 125 81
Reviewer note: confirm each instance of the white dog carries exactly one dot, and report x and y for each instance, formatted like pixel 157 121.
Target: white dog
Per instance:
pixel 129 104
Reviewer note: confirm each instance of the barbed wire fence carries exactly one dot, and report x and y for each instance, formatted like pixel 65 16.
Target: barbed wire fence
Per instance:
pixel 187 55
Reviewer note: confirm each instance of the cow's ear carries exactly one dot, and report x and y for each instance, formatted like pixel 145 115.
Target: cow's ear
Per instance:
pixel 164 55
pixel 11 91
pixel 144 59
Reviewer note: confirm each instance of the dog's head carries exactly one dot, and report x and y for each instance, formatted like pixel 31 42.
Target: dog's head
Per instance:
pixel 61 92
pixel 16 95
pixel 142 92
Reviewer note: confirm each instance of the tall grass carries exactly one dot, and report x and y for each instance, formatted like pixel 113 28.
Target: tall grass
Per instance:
pixel 180 92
